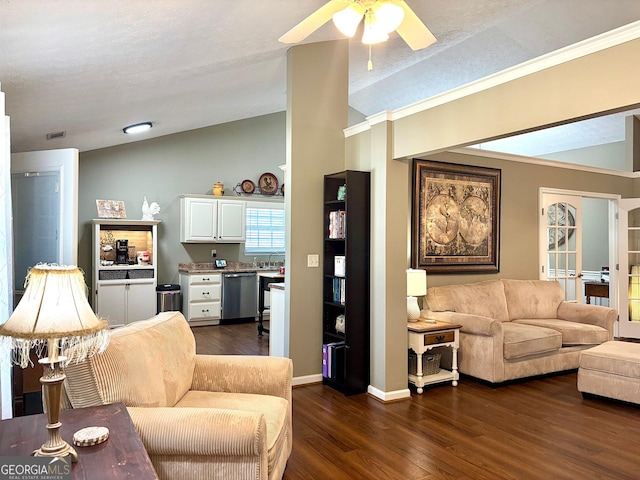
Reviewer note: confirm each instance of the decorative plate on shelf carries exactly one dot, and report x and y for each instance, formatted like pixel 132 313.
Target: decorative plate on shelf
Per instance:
pixel 248 186
pixel 282 189
pixel 268 183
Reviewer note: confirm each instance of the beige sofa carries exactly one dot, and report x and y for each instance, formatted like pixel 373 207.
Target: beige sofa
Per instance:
pixel 518 328
pixel 200 417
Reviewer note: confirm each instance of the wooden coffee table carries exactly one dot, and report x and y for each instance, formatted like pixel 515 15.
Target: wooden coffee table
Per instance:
pixel 121 456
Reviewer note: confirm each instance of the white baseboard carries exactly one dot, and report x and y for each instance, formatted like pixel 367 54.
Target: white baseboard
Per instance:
pixel 389 396
pixel 306 380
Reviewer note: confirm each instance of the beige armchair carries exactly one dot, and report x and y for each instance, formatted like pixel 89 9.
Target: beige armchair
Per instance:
pixel 199 416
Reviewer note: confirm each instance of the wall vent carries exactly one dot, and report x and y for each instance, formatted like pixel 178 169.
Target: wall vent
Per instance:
pixel 51 136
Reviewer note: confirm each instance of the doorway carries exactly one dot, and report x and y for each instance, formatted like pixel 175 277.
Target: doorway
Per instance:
pixel 578 243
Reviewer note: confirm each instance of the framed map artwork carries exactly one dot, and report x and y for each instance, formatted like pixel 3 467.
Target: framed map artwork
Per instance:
pixel 455 217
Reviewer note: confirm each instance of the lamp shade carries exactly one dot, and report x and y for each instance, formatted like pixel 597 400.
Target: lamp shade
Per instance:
pixel 54 307
pixel 373 32
pixel 388 15
pixel 416 283
pixel 347 20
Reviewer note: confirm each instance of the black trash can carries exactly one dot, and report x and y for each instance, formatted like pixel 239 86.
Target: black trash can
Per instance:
pixel 168 298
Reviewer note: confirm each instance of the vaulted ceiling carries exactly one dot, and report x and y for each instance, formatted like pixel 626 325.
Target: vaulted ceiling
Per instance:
pixel 89 68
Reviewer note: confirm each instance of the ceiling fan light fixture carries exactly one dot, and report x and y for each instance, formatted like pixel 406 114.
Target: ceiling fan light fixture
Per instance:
pixel 137 128
pixel 373 33
pixel 347 20
pixel 388 15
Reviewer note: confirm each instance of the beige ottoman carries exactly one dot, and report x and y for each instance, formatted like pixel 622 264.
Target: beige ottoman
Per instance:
pixel 611 370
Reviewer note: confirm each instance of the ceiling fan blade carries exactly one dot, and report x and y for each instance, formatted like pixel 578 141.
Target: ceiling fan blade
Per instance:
pixel 314 21
pixel 412 30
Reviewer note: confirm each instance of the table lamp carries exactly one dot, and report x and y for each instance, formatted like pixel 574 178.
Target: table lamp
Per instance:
pixel 416 287
pixel 54 313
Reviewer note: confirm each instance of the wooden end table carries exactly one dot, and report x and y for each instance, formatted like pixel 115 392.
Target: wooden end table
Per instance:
pixel 596 289
pixel 121 456
pixel 426 336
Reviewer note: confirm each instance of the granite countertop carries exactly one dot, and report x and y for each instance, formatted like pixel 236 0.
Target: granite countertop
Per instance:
pixel 232 267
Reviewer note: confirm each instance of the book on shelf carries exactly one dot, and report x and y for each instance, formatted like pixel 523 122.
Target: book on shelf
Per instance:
pixel 339 290
pixel 330 353
pixel 339 265
pixel 337 224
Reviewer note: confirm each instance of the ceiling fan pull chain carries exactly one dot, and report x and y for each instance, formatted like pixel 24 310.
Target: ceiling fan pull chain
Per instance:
pixel 370 63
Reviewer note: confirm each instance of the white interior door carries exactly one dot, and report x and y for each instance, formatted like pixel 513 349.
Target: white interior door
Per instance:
pixel 561 243
pixel 629 268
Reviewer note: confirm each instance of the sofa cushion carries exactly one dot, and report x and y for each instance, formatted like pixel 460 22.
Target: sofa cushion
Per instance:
pixel 618 358
pixel 147 364
pixel 273 408
pixel 573 333
pixel 532 298
pixel 522 340
pixel 485 299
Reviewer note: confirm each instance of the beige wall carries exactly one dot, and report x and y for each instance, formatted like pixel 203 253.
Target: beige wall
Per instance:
pixel 600 82
pixel 317 99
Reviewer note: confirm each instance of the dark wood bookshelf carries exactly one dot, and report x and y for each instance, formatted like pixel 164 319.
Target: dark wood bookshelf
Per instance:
pixel 351 363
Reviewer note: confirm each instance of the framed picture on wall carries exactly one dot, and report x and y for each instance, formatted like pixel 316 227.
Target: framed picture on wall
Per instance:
pixel 111 209
pixel 455 217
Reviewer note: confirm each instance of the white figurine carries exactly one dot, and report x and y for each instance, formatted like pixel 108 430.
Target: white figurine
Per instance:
pixel 148 211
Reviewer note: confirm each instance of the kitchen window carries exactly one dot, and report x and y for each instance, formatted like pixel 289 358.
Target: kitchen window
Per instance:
pixel 265 228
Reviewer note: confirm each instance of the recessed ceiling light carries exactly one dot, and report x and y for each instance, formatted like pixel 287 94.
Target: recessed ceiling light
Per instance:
pixel 138 127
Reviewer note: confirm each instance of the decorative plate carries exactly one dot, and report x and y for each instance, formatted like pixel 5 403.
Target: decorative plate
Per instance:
pixel 282 189
pixel 268 183
pixel 248 186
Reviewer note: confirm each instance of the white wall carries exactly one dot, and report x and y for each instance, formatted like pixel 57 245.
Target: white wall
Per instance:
pixel 6 264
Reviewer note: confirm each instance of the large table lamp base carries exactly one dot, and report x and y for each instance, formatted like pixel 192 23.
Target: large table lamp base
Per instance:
pixel 51 381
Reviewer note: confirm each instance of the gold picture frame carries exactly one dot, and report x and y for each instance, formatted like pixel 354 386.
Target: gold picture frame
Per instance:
pixel 111 209
pixel 455 217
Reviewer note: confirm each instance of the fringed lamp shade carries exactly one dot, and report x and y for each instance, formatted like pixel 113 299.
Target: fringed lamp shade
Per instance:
pixel 54 308
pixel 54 312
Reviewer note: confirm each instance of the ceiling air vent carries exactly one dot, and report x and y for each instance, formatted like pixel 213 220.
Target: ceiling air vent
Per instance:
pixel 51 136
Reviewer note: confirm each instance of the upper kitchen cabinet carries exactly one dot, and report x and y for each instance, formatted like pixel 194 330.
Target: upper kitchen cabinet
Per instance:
pixel 205 219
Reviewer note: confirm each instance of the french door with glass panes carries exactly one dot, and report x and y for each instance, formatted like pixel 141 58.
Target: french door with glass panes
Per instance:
pixel 561 243
pixel 629 265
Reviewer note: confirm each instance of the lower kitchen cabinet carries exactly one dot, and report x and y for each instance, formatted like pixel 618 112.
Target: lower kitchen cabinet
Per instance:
pixel 120 303
pixel 201 298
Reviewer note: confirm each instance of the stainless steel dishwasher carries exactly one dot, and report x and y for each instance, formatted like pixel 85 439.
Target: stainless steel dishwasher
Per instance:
pixel 239 295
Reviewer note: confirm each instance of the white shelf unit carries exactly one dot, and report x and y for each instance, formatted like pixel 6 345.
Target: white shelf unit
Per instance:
pixel 124 293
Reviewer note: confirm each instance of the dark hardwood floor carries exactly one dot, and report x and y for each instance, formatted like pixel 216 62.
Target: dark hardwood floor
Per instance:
pixel 536 429
pixel 232 339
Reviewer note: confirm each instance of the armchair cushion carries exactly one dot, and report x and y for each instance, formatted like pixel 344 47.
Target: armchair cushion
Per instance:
pixel 274 409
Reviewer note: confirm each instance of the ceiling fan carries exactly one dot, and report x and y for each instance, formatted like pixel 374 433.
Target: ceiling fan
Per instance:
pixel 381 17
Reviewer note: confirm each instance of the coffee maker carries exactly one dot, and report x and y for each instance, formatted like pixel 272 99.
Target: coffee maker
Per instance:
pixel 122 252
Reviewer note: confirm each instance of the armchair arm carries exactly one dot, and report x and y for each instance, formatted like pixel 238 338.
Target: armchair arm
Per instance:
pixel 243 374
pixel 200 431
pixel 474 324
pixel 598 315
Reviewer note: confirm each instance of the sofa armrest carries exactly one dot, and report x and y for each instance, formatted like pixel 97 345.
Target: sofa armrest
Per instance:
pixel 598 315
pixel 243 374
pixel 200 431
pixel 473 324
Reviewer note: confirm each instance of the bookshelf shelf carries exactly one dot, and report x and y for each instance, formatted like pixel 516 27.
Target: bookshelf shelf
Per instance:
pixel 346 251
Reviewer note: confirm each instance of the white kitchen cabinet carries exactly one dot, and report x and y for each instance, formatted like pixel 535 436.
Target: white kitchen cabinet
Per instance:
pixel 126 292
pixel 201 298
pixel 205 219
